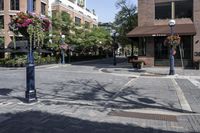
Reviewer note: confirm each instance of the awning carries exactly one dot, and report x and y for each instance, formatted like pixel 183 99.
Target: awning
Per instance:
pixel 162 30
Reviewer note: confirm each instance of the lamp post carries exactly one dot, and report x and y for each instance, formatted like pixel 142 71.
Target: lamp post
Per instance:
pixel 30 93
pixel 62 50
pixel 171 24
pixel 114 34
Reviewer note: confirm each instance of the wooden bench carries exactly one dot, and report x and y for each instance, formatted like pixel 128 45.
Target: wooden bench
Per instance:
pixel 136 63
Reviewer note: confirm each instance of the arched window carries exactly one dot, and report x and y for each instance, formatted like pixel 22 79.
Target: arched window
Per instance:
pixel 14 4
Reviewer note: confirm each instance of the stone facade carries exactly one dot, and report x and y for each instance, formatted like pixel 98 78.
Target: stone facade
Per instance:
pixel 74 13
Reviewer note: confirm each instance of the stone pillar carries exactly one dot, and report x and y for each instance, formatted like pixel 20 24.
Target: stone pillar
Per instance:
pixel 6 22
pixel 38 6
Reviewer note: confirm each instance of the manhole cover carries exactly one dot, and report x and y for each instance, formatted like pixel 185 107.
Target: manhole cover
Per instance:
pixel 161 117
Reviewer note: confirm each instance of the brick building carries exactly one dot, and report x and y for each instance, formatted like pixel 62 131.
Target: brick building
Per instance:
pixel 153 18
pixel 8 8
pixel 77 11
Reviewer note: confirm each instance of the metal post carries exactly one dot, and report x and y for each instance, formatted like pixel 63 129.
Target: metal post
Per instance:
pixel 69 54
pixel 63 56
pixel 63 51
pixel 171 71
pixel 30 93
pixel 114 54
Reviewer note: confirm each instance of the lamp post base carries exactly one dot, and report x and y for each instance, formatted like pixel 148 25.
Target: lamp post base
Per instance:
pixel 30 93
pixel 171 72
pixel 31 96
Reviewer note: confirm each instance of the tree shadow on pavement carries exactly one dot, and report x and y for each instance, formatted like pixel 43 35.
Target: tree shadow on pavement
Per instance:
pixel 5 91
pixel 92 92
pixel 43 122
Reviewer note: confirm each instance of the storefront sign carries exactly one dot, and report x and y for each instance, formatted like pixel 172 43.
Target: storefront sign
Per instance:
pixel 159 35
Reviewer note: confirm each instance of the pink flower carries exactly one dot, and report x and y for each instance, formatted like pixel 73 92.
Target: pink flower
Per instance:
pixel 27 22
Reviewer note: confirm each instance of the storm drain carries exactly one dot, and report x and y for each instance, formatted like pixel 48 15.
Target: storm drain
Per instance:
pixel 161 117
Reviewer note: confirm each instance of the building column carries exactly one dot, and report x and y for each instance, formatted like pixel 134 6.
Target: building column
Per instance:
pixel 23 5
pixel 6 22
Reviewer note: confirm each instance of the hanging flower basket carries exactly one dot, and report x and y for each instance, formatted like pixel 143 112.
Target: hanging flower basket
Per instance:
pixel 172 41
pixel 30 25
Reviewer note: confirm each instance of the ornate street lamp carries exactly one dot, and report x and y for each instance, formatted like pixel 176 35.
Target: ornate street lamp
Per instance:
pixel 114 34
pixel 171 24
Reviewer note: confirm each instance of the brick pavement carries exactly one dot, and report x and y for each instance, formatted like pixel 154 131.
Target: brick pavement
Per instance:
pixel 76 103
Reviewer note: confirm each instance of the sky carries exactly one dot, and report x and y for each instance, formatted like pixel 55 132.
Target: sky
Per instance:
pixel 105 9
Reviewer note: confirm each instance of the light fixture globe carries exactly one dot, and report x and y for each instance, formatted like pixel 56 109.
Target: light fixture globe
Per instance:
pixel 63 36
pixel 171 22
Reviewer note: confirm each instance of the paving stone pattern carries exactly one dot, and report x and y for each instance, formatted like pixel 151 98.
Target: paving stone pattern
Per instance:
pixel 78 99
pixel 191 92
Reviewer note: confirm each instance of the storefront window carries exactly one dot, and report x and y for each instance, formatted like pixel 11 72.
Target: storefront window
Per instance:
pixel 142 46
pixel 163 10
pixel 187 5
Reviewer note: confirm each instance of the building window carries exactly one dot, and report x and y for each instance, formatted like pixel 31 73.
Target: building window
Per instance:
pixel 142 46
pixel 1 22
pixel 43 8
pixel 14 4
pixel 1 46
pixel 1 4
pixel 184 9
pixel 34 5
pixel 77 21
pixel 163 10
pixel 87 24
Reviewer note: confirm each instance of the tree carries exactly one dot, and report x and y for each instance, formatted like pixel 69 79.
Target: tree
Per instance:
pixel 125 20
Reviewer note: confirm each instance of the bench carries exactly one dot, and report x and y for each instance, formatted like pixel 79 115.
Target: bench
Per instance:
pixel 136 63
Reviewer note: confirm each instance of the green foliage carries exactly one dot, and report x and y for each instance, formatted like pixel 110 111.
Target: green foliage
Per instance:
pixel 84 38
pixel 126 19
pixel 61 23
